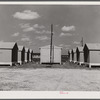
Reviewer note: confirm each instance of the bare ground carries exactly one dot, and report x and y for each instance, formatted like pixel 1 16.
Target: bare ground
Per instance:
pixel 32 77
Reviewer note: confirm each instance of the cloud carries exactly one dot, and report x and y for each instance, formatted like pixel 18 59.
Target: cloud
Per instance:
pixel 38 26
pixel 26 15
pixel 75 42
pixel 65 34
pixel 65 46
pixel 42 32
pixel 28 29
pixel 16 34
pixel 24 25
pixel 25 39
pixel 42 37
pixel 68 28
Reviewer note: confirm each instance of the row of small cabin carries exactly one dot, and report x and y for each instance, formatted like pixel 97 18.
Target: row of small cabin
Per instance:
pixel 89 54
pixel 11 53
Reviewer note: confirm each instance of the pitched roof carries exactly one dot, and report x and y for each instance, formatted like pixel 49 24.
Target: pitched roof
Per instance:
pixel 80 49
pixel 48 46
pixel 7 45
pixel 26 49
pixel 30 50
pixel 74 50
pixel 20 48
pixel 93 46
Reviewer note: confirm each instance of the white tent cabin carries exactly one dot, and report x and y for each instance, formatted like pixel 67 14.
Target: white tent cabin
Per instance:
pixel 80 55
pixel 8 53
pixel 70 55
pixel 21 54
pixel 30 50
pixel 74 55
pixel 45 55
pixel 92 54
pixel 26 55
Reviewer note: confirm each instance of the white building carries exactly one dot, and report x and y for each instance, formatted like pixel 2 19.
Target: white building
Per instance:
pixel 74 55
pixel 8 53
pixel 80 55
pixel 30 50
pixel 26 55
pixel 70 55
pixel 45 54
pixel 21 54
pixel 92 54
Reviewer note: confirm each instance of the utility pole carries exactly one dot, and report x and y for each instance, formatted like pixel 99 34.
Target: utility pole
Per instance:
pixel 82 42
pixel 51 44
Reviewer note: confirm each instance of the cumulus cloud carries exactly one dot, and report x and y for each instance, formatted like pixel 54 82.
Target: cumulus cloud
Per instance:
pixel 28 29
pixel 65 34
pixel 42 38
pixel 38 26
pixel 42 32
pixel 15 34
pixel 68 28
pixel 26 15
pixel 24 25
pixel 75 42
pixel 65 46
pixel 25 38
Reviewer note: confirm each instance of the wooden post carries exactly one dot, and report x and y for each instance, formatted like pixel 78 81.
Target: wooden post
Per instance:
pixel 51 44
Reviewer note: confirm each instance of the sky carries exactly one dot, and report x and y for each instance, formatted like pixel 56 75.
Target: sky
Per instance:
pixel 29 25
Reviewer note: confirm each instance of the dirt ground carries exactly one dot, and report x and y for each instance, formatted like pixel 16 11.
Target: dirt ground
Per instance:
pixel 49 79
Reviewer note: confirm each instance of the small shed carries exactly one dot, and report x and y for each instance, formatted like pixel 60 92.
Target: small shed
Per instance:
pixel 74 55
pixel 45 55
pixel 70 55
pixel 64 58
pixel 80 55
pixel 21 54
pixel 8 53
pixel 36 57
pixel 92 54
pixel 27 55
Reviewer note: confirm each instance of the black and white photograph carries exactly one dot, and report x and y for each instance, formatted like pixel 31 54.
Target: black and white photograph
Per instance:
pixel 50 47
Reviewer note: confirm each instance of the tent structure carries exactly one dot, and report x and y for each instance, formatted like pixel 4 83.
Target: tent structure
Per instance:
pixel 74 55
pixel 21 54
pixel 27 55
pixel 92 54
pixel 30 50
pixel 8 53
pixel 80 55
pixel 70 55
pixel 45 55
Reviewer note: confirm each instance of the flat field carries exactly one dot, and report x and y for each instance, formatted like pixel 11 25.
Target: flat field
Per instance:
pixel 31 77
